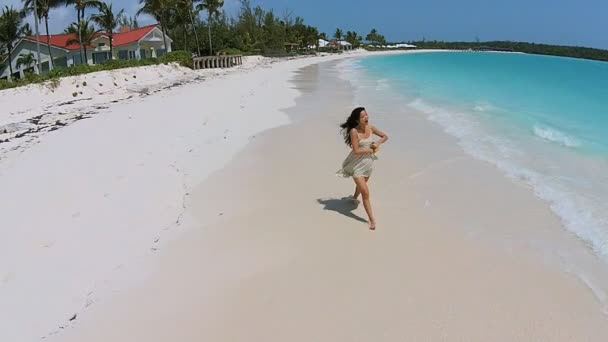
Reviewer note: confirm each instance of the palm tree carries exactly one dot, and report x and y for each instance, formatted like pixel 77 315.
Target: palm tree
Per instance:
pixel 338 35
pixel 11 29
pixel 372 36
pixel 130 22
pixel 160 10
pixel 107 21
pixel 85 35
pixel 188 7
pixel 181 19
pixel 26 59
pixel 213 8
pixel 44 7
pixel 27 30
pixel 80 6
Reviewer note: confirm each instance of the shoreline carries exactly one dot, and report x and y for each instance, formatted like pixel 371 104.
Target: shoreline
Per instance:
pixel 564 243
pixel 201 248
pixel 277 265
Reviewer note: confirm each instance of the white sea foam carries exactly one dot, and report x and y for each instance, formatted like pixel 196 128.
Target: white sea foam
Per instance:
pixel 382 84
pixel 581 214
pixel 555 135
pixel 578 212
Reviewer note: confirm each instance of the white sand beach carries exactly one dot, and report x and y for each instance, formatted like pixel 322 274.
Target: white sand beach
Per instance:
pixel 94 185
pixel 206 208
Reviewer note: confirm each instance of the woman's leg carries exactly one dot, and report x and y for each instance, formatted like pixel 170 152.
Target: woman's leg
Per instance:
pixel 357 192
pixel 364 190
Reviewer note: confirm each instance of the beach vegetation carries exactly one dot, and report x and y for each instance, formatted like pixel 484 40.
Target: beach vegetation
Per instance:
pixel 374 38
pixel 26 60
pixel 81 6
pixel 43 9
pixel 12 28
pixel 338 34
pixel 182 58
pixel 253 30
pixel 84 32
pixel 354 39
pixel 212 7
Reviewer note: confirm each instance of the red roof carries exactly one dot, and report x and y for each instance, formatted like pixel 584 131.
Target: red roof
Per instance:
pixel 120 38
pixel 124 38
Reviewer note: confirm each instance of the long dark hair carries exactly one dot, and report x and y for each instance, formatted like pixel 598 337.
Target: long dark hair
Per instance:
pixel 351 122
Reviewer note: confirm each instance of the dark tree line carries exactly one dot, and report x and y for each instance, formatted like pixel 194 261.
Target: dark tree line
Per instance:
pixel 532 48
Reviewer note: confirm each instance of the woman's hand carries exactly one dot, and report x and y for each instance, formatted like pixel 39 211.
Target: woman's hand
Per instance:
pixel 375 147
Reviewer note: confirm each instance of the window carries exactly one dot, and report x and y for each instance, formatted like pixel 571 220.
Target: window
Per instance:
pixel 123 54
pixel 132 54
pixel 76 59
pixel 100 57
pixel 101 44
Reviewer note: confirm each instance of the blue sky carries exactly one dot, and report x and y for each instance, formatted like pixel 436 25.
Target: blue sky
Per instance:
pixel 581 22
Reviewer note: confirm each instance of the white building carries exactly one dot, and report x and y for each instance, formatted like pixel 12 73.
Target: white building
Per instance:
pixel 401 46
pixel 344 45
pixel 143 42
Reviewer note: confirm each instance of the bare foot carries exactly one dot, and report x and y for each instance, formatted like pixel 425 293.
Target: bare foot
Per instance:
pixel 372 226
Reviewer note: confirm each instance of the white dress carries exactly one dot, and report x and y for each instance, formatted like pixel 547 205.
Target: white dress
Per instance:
pixel 359 165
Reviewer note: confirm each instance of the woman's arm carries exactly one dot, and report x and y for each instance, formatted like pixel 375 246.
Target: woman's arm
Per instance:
pixel 354 141
pixel 382 135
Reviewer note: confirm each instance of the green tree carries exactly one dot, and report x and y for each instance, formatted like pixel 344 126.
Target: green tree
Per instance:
pixel 44 8
pixel 273 34
pixel 26 60
pixel 85 33
pixel 186 7
pixel 248 27
pixel 353 39
pixel 107 21
pixel 80 6
pixel 11 29
pixel 338 34
pixel 27 30
pixel 213 9
pixel 160 10
pixel 312 36
pixel 375 38
pixel 129 22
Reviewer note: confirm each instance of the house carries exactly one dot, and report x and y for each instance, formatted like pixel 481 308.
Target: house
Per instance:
pixel 339 45
pixel 344 45
pixel 321 43
pixel 401 46
pixel 143 42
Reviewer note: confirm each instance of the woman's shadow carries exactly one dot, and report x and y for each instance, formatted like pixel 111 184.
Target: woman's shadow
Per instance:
pixel 344 206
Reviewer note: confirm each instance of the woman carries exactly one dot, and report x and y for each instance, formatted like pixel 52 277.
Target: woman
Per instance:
pixel 358 134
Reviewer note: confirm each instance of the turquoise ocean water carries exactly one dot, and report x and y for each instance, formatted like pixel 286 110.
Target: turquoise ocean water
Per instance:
pixel 540 119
